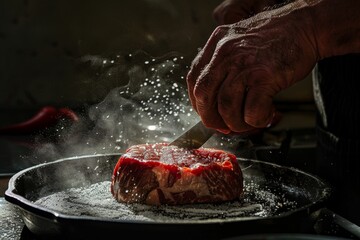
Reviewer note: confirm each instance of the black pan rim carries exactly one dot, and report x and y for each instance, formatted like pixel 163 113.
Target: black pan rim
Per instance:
pixel 27 205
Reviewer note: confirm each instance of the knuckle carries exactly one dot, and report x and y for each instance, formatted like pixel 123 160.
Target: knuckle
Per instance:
pixel 220 31
pixel 224 43
pixel 227 45
pixel 201 95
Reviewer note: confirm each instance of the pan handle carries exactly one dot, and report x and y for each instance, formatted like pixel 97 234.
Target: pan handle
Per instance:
pixel 328 222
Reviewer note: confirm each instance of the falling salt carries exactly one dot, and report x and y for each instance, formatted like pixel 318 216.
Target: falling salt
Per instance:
pixel 152 96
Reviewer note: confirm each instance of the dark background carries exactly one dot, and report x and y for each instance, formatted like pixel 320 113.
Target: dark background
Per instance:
pixel 44 45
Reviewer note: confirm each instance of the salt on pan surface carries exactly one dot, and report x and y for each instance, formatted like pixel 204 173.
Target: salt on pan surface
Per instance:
pixel 96 201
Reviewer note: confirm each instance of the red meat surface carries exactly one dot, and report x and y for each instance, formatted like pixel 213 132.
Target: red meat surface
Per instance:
pixel 157 174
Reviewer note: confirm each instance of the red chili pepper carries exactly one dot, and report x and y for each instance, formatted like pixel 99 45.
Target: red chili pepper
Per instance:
pixel 68 113
pixel 46 117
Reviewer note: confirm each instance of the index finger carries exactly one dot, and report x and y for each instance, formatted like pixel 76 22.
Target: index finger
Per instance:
pixel 202 60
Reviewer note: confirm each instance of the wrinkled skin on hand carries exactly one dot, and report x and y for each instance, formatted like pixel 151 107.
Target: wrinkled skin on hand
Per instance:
pixel 234 78
pixel 232 11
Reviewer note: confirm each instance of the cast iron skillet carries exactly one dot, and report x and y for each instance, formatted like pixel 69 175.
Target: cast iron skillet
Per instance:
pixel 305 193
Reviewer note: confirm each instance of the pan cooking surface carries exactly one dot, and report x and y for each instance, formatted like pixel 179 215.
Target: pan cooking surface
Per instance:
pixel 96 200
pixel 84 193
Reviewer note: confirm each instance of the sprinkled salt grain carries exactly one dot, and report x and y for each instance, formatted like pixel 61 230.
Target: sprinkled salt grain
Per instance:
pixel 96 201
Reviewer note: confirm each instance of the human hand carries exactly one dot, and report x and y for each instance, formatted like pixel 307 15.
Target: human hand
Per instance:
pixel 234 78
pixel 232 11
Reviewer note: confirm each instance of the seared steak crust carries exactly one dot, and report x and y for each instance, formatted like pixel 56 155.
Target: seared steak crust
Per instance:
pixel 157 174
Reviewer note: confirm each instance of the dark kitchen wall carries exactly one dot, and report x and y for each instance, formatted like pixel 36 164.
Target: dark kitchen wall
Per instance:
pixel 50 48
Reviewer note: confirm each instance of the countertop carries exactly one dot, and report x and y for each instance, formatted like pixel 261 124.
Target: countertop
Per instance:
pixel 10 221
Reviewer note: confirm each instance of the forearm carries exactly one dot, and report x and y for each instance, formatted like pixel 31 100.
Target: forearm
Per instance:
pixel 336 26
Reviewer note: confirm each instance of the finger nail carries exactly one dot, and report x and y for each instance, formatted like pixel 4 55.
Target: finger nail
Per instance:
pixel 275 118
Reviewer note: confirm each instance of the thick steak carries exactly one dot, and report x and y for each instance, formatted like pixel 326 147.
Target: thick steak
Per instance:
pixel 160 174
